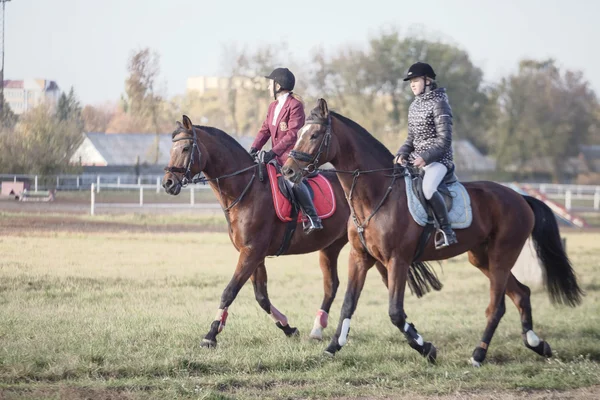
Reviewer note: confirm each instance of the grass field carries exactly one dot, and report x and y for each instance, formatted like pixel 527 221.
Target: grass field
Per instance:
pixel 114 315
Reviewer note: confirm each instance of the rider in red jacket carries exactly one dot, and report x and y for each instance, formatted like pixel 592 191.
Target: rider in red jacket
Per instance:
pixel 285 117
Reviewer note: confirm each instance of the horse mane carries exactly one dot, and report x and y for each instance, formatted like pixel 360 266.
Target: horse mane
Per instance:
pixel 223 136
pixel 368 141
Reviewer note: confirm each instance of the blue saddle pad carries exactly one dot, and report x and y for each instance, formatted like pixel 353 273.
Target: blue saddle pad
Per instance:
pixel 460 215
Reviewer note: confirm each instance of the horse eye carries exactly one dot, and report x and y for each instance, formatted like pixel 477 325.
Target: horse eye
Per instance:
pixel 186 149
pixel 314 135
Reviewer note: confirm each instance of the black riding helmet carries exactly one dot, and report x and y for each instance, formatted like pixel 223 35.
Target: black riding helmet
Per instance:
pixel 284 77
pixel 419 69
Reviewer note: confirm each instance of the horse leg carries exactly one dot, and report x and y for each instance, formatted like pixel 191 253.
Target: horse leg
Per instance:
pixel 328 260
pixel 520 295
pixel 398 272
pixel 500 260
pixel 383 272
pixel 259 281
pixel 358 265
pixel 247 264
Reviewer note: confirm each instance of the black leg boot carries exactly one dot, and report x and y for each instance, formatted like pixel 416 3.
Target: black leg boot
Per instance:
pixel 308 208
pixel 445 236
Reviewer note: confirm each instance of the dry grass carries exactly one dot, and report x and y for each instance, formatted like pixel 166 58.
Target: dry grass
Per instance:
pixel 121 316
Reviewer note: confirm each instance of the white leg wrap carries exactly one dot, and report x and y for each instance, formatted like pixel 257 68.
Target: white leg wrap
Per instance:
pixel 344 335
pixel 532 339
pixel 419 338
pixel 319 325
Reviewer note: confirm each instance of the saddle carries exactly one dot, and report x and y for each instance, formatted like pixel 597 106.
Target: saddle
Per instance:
pixel 417 185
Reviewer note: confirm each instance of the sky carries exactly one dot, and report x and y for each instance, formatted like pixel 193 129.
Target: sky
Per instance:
pixel 86 43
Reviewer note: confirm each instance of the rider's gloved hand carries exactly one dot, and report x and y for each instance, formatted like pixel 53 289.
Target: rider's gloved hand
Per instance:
pixel 269 155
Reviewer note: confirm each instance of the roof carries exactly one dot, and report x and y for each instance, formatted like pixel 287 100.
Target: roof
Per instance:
pixel 41 84
pixel 123 148
pixel 8 84
pixel 591 152
pixel 591 157
pixel 468 158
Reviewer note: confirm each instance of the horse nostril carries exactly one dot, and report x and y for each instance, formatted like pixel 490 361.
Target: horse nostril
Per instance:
pixel 168 183
pixel 287 171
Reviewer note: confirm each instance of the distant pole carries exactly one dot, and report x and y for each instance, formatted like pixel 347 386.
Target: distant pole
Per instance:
pixel 93 200
pixel 2 67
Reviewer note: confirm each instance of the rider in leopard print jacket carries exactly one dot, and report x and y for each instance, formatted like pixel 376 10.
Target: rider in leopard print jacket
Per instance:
pixel 429 142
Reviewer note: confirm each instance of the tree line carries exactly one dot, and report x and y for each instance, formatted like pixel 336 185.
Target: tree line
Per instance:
pixel 540 112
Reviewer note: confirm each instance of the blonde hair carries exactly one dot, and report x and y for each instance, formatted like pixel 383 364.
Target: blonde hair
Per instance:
pixel 297 97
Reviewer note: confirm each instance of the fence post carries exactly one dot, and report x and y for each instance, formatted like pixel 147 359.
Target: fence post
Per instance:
pixel 78 182
pixel 157 184
pixel 568 195
pixel 93 200
pixel 15 179
pixel 192 196
pixel 36 183
pixel 141 195
pixel 597 199
pixel 118 181
pixel 97 183
pixel 139 180
pixel 57 181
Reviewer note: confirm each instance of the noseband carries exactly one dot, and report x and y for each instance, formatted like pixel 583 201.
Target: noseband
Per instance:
pixel 313 161
pixel 186 171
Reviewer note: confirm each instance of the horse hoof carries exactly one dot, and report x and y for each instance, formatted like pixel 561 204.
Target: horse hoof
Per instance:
pixel 478 356
pixel 208 344
pixel 474 363
pixel 547 352
pixel 430 352
pixel 328 354
pixel 316 334
pixel 543 348
pixel 293 332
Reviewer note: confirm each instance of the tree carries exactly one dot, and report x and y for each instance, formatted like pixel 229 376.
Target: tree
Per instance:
pixel 367 84
pixel 545 114
pixel 143 109
pixel 40 144
pixel 8 119
pixel 96 119
pixel 68 107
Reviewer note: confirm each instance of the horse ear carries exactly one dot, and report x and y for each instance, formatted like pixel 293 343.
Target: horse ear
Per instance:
pixel 322 104
pixel 187 122
pixel 179 125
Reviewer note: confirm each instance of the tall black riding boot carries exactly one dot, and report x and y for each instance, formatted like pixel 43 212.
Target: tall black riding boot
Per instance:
pixel 308 208
pixel 445 236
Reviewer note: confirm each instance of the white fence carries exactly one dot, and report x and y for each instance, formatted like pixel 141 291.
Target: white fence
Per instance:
pixel 574 197
pixel 588 196
pixel 191 189
pixel 81 182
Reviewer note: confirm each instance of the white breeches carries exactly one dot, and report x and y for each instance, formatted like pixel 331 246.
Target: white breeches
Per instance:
pixel 434 173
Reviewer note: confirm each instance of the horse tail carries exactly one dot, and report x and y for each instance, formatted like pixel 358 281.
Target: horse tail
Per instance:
pixel 422 278
pixel 560 278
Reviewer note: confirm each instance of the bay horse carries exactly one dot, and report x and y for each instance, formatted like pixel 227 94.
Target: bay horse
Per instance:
pixel 376 192
pixel 254 229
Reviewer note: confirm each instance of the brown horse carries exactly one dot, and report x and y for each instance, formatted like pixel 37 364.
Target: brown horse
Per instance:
pixel 502 222
pixel 254 228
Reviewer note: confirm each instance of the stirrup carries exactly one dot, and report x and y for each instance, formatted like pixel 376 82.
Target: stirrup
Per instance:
pixel 442 240
pixel 310 226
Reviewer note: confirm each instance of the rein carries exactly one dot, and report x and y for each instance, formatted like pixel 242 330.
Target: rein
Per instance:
pixel 312 167
pixel 186 179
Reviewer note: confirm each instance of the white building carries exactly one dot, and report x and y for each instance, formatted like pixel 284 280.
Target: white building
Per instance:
pixel 23 95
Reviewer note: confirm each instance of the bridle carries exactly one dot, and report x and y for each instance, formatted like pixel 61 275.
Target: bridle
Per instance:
pixel 186 171
pixel 313 161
